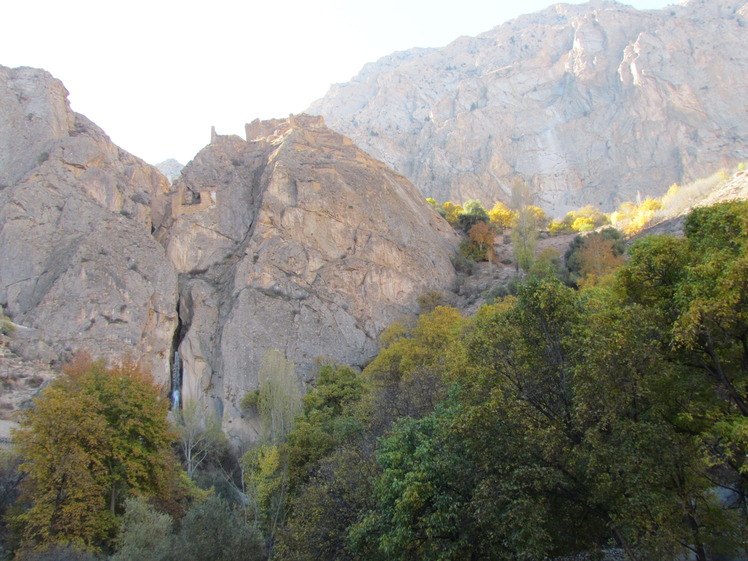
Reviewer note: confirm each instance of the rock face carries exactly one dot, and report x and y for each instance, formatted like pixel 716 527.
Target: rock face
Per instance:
pixel 589 103
pixel 298 241
pixel 78 264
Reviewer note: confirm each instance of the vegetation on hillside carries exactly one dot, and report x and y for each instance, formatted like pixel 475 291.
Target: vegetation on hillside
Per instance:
pixel 609 408
pixel 630 217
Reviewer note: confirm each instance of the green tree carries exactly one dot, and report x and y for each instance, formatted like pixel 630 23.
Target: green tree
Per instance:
pixel 699 286
pixel 472 213
pixel 279 399
pixel 265 465
pixel 525 228
pixel 410 375
pixel 327 420
pixel 329 503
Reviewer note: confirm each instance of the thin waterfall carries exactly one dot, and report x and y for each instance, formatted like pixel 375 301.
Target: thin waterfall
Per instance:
pixel 176 382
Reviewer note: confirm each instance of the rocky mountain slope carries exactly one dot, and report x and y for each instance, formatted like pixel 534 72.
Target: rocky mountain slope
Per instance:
pixel 293 240
pixel 78 264
pixel 589 103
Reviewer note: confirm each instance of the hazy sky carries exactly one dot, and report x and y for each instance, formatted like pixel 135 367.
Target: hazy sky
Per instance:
pixel 157 74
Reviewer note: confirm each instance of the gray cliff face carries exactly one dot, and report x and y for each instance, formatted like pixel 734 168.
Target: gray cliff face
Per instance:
pixel 589 103
pixel 78 264
pixel 297 241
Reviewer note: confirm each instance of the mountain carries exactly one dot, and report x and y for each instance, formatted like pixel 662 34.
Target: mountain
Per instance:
pixel 293 240
pixel 170 168
pixel 79 268
pixel 588 103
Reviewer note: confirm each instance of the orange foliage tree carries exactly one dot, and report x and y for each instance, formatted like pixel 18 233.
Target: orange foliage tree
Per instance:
pixel 95 436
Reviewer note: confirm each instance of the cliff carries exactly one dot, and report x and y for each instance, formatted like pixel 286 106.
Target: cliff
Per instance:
pixel 78 264
pixel 298 241
pixel 589 103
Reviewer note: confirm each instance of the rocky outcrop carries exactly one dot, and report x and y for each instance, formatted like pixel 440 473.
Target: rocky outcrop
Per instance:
pixel 78 264
pixel 298 241
pixel 589 103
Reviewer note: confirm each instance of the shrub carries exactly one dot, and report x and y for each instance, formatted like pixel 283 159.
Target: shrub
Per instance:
pixel 212 531
pixel 6 326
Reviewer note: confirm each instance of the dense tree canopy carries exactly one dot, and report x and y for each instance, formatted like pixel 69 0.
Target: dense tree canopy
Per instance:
pixel 96 435
pixel 557 420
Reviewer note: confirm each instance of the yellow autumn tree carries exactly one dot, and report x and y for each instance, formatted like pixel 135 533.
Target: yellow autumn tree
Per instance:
pixel 501 216
pixel 95 436
pixel 452 212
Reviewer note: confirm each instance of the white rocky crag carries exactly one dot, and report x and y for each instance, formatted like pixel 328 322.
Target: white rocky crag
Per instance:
pixel 78 264
pixel 170 168
pixel 589 103
pixel 296 241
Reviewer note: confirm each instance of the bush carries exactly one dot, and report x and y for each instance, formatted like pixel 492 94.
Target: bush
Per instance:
pixel 6 326
pixel 58 553
pixel 429 300
pixel 145 533
pixel 471 251
pixel 463 264
pixel 213 531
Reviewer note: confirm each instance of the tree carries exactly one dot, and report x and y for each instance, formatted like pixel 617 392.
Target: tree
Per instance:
pixel 411 374
pixel 327 421
pixel 95 436
pixel 501 216
pixel 199 437
pixel 11 477
pixel 328 468
pixel 145 535
pixel 265 465
pixel 594 255
pixel 472 213
pixel 329 503
pixel 525 229
pixel 452 212
pixel 279 399
pixel 699 286
pixel 483 236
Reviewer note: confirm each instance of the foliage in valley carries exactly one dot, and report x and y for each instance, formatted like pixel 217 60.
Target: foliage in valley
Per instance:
pixel 609 410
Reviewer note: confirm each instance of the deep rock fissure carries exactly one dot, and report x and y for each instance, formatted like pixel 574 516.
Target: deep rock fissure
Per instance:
pixel 176 364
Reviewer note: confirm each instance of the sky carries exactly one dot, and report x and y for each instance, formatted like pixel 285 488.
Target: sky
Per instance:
pixel 157 74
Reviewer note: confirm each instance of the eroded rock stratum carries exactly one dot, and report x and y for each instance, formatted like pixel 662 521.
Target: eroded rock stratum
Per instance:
pixel 78 263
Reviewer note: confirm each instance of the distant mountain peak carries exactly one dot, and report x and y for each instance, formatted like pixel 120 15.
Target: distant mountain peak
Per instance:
pixel 171 169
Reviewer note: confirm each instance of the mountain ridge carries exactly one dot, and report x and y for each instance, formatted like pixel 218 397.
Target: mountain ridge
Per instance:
pixel 589 103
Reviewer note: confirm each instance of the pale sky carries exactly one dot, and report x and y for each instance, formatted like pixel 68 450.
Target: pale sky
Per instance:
pixel 157 74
